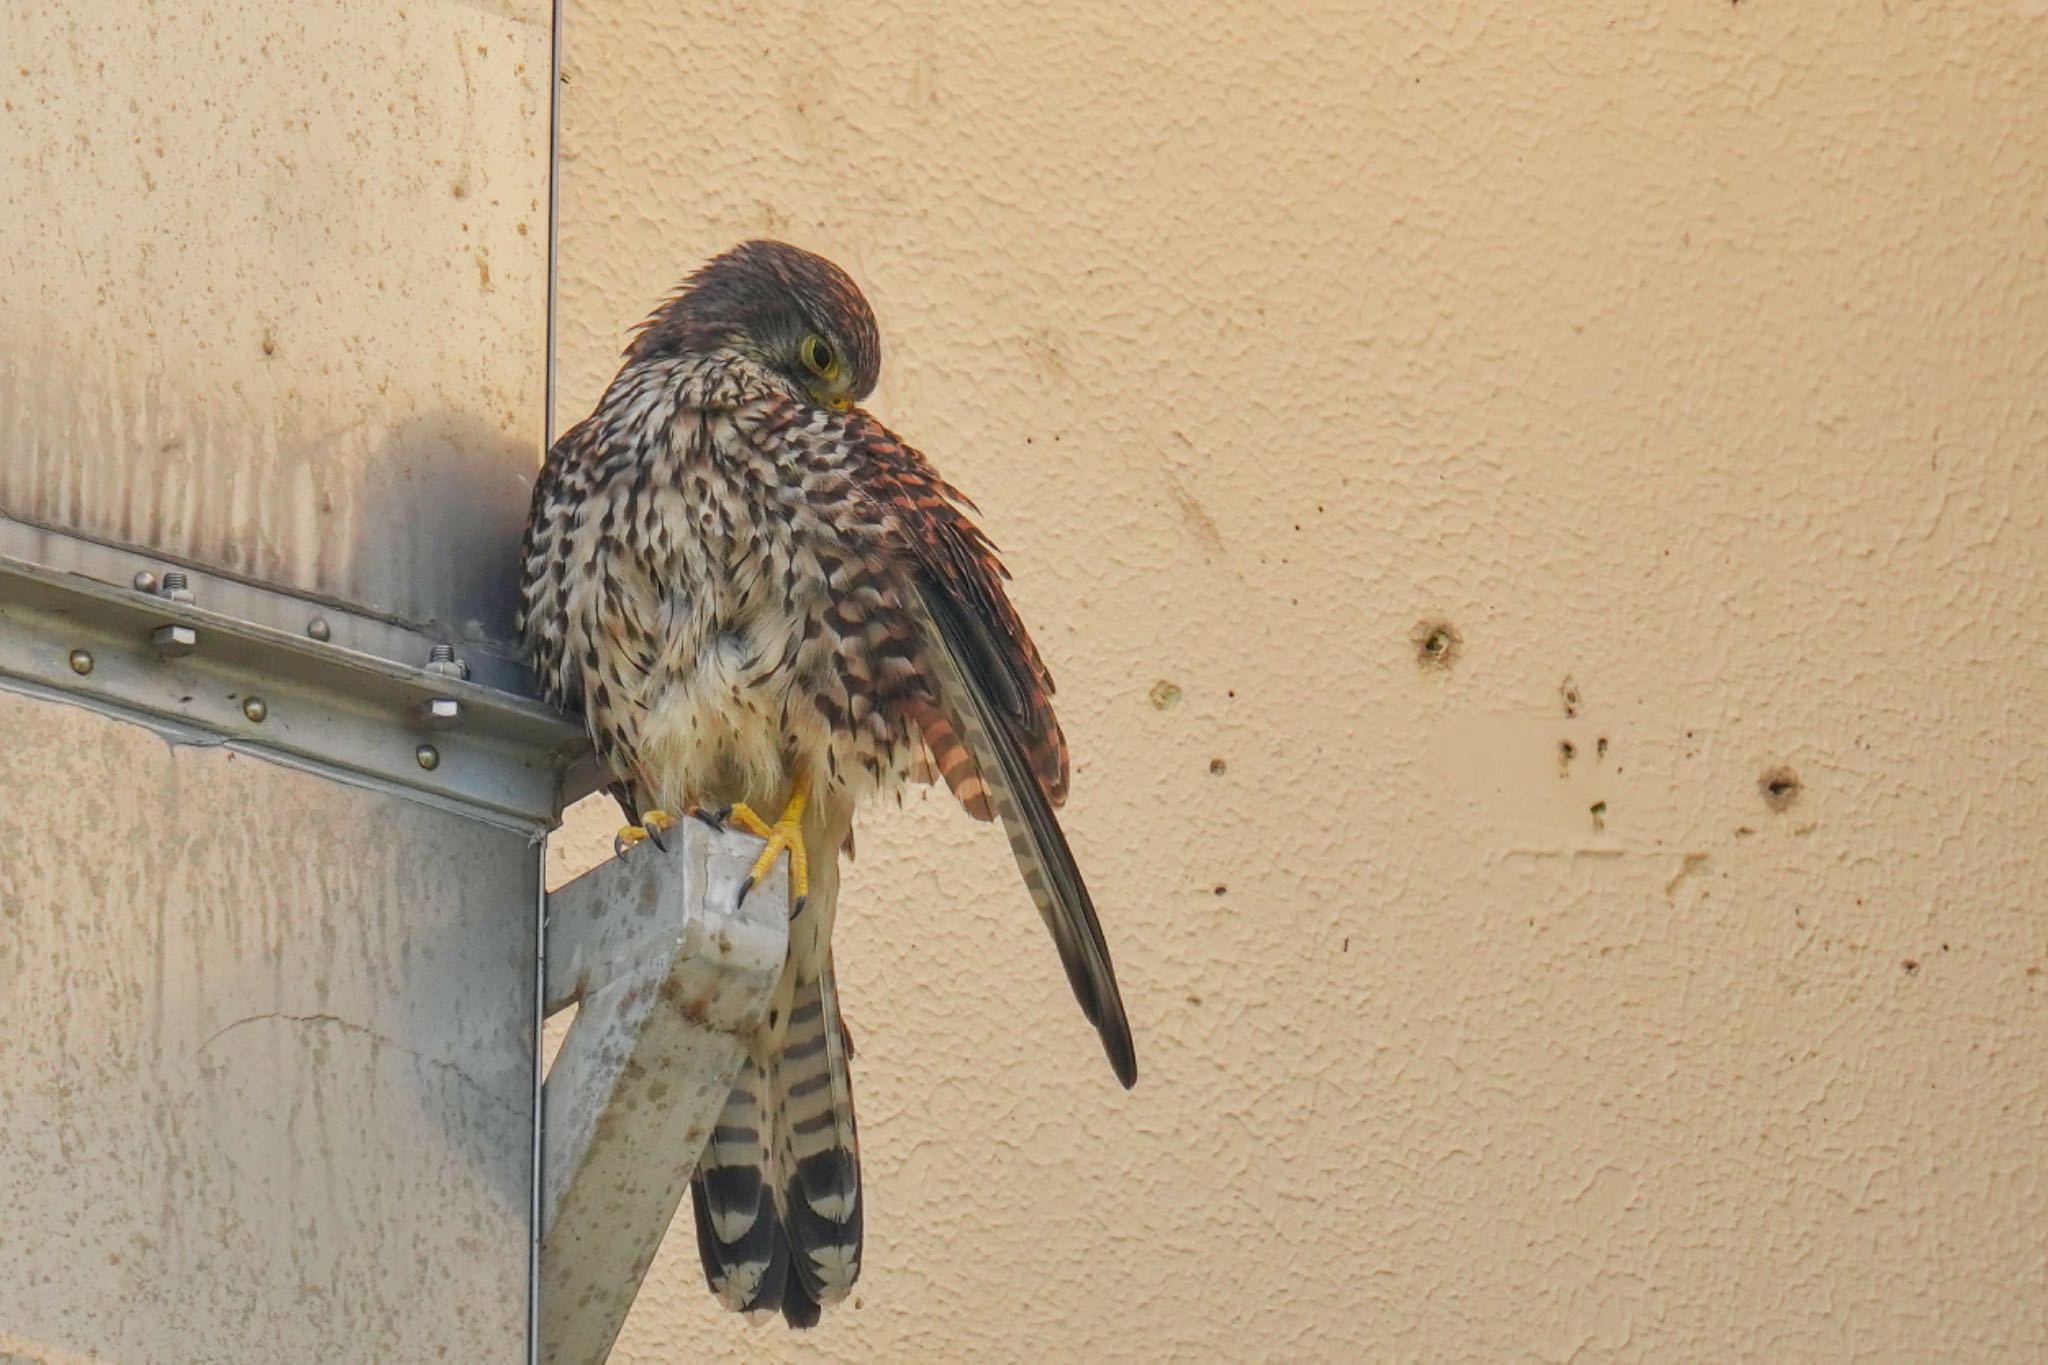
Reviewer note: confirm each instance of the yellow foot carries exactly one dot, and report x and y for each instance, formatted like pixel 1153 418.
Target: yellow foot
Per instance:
pixel 785 835
pixel 652 823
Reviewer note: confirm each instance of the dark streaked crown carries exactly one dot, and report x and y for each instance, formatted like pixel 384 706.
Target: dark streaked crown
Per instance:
pixel 761 297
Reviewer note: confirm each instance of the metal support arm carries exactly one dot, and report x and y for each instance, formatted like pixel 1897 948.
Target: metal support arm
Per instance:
pixel 669 975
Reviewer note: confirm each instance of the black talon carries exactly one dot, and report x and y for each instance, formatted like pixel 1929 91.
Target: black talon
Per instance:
pixel 654 837
pixel 798 908
pixel 714 818
pixel 619 846
pixel 745 887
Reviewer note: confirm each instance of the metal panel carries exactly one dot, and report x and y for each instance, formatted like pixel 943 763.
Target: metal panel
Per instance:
pixel 279 304
pixel 265 1058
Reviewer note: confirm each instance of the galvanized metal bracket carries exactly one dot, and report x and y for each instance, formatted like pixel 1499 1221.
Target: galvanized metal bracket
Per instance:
pixel 271 671
pixel 669 972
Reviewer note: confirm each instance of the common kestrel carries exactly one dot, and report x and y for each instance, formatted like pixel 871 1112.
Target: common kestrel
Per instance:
pixel 761 600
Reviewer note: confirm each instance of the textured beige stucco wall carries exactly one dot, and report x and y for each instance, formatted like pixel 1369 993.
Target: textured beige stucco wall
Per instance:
pixel 1690 360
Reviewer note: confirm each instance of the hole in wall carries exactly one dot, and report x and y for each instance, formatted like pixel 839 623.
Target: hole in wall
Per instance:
pixel 1437 643
pixel 1780 787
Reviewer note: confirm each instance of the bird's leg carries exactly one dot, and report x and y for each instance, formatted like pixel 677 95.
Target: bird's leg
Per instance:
pixel 652 823
pixel 786 834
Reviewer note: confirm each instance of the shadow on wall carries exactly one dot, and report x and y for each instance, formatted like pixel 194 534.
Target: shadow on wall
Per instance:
pixel 446 496
pixel 417 520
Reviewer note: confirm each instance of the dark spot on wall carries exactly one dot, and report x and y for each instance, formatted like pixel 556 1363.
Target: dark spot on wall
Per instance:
pixel 1911 965
pixel 1600 749
pixel 1569 691
pixel 1437 643
pixel 1780 787
pixel 1217 767
pixel 1221 889
pixel 1164 695
pixel 1566 752
pixel 1598 810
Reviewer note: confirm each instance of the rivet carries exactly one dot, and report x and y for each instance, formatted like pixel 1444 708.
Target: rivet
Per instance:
pixel 81 662
pixel 318 629
pixel 429 757
pixel 145 581
pixel 254 709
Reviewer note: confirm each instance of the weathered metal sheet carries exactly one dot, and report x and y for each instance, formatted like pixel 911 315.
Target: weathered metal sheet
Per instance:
pixel 275 288
pixel 265 1058
pixel 670 973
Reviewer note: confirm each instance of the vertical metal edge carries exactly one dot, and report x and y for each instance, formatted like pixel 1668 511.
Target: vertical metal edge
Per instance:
pixel 554 217
pixel 540 847
pixel 540 977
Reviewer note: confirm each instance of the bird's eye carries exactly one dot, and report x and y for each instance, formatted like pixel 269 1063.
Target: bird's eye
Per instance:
pixel 817 356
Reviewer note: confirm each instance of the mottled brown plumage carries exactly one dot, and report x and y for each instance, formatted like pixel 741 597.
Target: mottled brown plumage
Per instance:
pixel 739 577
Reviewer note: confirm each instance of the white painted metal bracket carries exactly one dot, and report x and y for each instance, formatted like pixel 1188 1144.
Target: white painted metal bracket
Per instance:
pixel 669 974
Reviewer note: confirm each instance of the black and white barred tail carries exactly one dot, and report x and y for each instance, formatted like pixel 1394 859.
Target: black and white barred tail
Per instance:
pixel 777 1190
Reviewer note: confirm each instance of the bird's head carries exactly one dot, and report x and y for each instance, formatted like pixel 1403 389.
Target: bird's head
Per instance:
pixel 794 313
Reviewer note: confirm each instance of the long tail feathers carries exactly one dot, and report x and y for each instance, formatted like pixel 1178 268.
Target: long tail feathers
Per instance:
pixel 739 1237
pixel 777 1190
pixel 819 1160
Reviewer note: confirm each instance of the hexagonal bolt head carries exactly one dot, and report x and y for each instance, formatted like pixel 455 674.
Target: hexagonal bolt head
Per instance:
pixel 174 642
pixel 441 659
pixel 441 713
